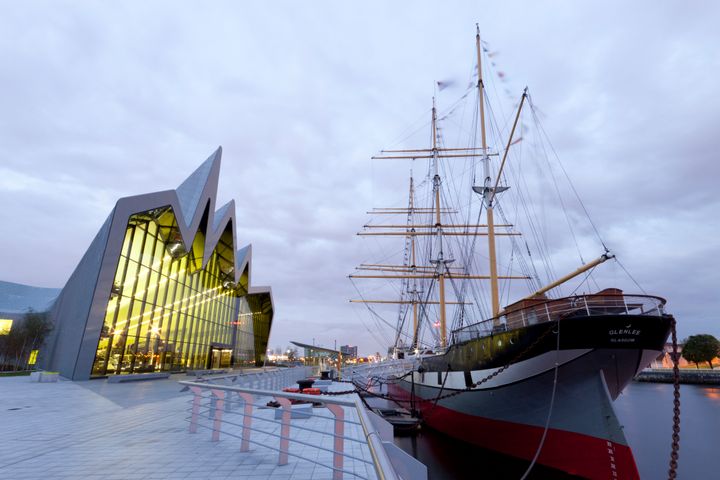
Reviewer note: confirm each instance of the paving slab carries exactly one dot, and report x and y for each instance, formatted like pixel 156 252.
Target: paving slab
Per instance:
pixel 97 429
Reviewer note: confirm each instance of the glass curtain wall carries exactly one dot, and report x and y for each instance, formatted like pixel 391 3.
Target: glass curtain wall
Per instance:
pixel 165 312
pixel 244 351
pixel 254 320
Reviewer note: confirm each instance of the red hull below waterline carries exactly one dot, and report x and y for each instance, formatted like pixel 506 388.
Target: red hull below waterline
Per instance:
pixel 574 453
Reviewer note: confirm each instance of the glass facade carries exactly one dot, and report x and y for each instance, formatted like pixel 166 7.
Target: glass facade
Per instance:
pixel 167 313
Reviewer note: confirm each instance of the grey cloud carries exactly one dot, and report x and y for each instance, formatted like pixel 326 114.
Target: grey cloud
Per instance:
pixel 102 101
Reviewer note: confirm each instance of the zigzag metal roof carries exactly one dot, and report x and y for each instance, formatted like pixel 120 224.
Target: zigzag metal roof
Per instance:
pixel 188 202
pixel 76 340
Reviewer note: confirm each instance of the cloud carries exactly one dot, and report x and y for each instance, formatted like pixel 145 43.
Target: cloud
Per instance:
pixel 104 101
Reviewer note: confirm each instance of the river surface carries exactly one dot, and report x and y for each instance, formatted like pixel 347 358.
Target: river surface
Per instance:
pixel 645 411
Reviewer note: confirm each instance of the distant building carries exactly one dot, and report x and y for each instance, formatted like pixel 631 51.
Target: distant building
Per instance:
pixel 664 360
pixel 162 287
pixel 348 351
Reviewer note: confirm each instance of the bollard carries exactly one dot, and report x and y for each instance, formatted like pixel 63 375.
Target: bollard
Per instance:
pixel 197 391
pixel 217 413
pixel 338 444
pixel 284 430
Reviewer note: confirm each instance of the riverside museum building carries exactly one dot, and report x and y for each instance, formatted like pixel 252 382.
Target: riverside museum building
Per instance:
pixel 162 288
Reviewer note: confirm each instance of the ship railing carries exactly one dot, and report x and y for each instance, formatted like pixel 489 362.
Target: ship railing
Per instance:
pixel 334 432
pixel 371 375
pixel 537 311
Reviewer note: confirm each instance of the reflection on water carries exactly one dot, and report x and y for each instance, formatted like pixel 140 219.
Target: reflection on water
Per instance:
pixel 645 411
pixel 447 458
pixel 712 393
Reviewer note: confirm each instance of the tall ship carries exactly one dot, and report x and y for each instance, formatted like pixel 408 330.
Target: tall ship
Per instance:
pixel 491 344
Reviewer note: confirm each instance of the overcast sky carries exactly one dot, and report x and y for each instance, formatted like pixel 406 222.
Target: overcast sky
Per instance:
pixel 100 100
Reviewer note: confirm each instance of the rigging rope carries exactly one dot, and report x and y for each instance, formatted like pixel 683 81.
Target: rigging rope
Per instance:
pixel 631 277
pixel 552 404
pixel 547 138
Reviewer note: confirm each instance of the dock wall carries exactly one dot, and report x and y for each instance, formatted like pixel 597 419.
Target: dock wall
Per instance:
pixel 687 376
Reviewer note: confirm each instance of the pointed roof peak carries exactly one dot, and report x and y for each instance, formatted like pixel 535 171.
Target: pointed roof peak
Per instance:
pixel 190 191
pixel 220 213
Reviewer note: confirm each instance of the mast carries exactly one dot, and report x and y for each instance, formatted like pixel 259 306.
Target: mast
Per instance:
pixel 488 195
pixel 440 262
pixel 439 267
pixel 413 267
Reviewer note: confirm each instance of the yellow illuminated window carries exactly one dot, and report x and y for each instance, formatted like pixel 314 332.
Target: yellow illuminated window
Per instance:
pixel 33 357
pixel 5 326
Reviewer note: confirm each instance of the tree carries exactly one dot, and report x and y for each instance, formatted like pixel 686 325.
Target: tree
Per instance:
pixel 292 354
pixel 25 337
pixel 700 348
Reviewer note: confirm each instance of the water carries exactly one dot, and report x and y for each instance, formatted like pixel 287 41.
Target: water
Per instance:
pixel 645 410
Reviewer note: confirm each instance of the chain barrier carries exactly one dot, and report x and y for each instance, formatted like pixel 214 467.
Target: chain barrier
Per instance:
pixel 359 389
pixel 672 472
pixel 494 374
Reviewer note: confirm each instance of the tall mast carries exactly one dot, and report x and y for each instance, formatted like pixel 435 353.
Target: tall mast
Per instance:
pixel 439 267
pixel 413 266
pixel 488 193
pixel 440 262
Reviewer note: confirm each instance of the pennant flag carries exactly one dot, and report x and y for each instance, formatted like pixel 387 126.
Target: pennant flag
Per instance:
pixel 517 141
pixel 501 74
pixel 442 85
pixel 492 54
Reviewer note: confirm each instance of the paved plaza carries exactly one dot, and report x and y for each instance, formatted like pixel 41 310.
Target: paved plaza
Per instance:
pixel 139 430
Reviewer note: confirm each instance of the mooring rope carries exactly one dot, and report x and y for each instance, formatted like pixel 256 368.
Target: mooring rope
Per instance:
pixel 552 404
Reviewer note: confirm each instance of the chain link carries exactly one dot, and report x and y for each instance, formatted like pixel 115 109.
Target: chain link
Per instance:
pixel 672 472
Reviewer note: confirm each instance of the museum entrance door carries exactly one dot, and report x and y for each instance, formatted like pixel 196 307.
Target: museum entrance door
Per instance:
pixel 219 357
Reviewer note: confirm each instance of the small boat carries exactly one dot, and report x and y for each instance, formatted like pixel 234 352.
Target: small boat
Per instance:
pixel 403 422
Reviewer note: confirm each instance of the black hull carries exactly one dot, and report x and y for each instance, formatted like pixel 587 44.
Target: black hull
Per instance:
pixel 597 357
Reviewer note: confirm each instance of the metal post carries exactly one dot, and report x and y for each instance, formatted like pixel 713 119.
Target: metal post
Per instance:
pixel 213 406
pixel 284 430
pixel 587 309
pixel 247 420
pixel 217 411
pixel 197 391
pixel 338 445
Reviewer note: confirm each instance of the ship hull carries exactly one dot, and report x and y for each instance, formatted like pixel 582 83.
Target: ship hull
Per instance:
pixel 509 412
